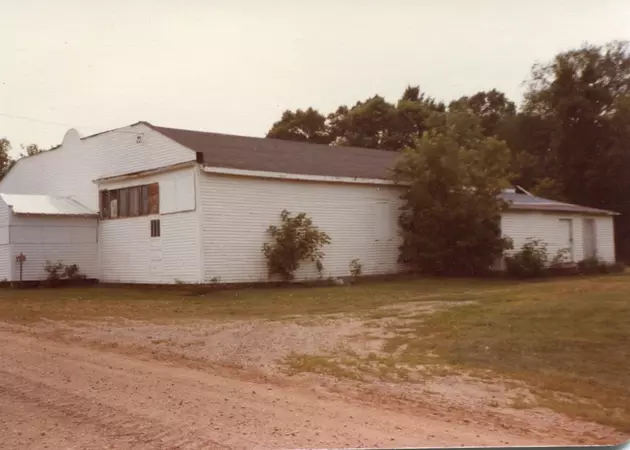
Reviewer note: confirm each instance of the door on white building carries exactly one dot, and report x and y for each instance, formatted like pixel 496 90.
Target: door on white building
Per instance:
pixel 588 235
pixel 566 237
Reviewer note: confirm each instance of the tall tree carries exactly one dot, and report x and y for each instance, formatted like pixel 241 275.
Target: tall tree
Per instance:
pixel 5 160
pixel 303 126
pixel 583 94
pixel 367 124
pixel 492 107
pixel 450 220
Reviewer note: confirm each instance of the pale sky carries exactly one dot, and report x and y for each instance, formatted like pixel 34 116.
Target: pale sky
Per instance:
pixel 234 66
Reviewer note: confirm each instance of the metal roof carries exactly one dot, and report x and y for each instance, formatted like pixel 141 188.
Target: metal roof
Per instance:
pixel 45 205
pixel 530 202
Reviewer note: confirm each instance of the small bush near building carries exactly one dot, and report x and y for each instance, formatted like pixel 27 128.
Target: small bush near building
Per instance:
pixel 59 272
pixel 530 261
pixel 295 241
pixel 356 268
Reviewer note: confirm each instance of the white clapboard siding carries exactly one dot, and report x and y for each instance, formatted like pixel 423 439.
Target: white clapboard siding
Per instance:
pixel 236 212
pixel 71 240
pixel 5 262
pixel 521 225
pixel 128 253
pixel 126 249
pixel 70 169
pixel 5 252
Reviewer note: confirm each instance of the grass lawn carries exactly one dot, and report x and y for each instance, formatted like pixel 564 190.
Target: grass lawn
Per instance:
pixel 568 338
pixel 183 302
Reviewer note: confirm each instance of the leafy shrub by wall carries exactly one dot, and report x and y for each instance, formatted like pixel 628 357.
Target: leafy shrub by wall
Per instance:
pixel 296 240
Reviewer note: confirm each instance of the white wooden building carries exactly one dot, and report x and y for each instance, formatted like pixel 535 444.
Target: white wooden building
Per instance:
pixel 45 228
pixel 187 206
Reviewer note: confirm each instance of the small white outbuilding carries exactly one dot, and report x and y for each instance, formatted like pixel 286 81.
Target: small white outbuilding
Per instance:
pixel 41 228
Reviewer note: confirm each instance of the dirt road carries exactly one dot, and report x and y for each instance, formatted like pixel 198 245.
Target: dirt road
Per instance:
pixel 61 395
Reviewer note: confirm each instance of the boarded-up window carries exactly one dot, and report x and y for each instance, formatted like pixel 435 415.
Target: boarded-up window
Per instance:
pixel 145 200
pixel 113 204
pixel 154 198
pixel 134 201
pixel 130 202
pixel 104 204
pixel 123 203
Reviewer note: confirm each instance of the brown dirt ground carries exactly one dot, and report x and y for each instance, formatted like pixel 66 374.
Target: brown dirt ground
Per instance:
pixel 218 384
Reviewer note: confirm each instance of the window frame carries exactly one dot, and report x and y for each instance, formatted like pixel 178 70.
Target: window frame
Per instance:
pixel 131 201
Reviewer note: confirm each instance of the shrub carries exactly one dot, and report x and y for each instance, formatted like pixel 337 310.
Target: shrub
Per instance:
pixel 5 283
pixel 59 271
pixel 562 257
pixel 591 266
pixel 356 268
pixel 530 261
pixel 295 241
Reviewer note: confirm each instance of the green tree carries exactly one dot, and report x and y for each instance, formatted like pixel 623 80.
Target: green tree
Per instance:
pixel 303 126
pixel 30 150
pixel 583 94
pixel 450 220
pixel 5 159
pixel 371 123
pixel 492 107
pixel 367 124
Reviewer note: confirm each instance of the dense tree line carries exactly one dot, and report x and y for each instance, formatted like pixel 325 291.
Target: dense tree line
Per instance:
pixel 569 139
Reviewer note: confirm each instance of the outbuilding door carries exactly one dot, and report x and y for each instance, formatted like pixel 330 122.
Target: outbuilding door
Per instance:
pixel 566 236
pixel 588 235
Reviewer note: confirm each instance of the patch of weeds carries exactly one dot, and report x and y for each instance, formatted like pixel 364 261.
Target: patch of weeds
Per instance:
pixel 520 401
pixel 297 363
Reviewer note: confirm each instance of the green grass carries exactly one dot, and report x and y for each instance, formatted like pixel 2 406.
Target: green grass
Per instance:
pixel 569 341
pixel 567 338
pixel 165 304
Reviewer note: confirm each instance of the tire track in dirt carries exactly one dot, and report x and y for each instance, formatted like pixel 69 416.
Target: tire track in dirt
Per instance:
pixel 113 425
pixel 64 395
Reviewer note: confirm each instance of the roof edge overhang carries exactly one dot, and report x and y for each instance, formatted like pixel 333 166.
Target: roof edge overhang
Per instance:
pixel 144 173
pixel 560 209
pixel 295 176
pixel 86 216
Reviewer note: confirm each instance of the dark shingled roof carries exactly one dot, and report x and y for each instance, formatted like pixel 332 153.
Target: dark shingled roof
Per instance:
pixel 530 202
pixel 275 155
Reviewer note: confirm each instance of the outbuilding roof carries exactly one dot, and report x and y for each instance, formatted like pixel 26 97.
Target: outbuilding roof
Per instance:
pixel 276 155
pixel 533 203
pixel 45 205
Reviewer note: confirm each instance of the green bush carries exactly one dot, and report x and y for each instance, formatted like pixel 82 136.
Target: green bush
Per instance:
pixel 295 241
pixel 59 271
pixel 530 261
pixel 592 266
pixel 356 268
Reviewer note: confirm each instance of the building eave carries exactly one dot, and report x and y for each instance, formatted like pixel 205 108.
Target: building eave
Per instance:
pixel 559 209
pixel 295 176
pixel 144 173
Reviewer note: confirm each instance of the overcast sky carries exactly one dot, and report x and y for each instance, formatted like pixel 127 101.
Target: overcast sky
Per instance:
pixel 234 66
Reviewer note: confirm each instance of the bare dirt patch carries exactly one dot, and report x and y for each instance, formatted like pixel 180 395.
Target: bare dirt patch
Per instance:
pixel 57 394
